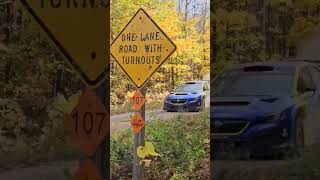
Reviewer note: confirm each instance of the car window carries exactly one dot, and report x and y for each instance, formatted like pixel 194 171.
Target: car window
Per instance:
pixel 305 82
pixel 196 87
pixel 254 84
pixel 315 73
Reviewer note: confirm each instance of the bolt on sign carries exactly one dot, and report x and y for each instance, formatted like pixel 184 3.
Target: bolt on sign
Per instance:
pixel 75 27
pixel 141 48
pixel 87 171
pixel 88 123
pixel 137 123
pixel 137 100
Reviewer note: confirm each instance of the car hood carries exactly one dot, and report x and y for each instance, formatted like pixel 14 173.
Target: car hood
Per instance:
pixel 222 107
pixel 183 95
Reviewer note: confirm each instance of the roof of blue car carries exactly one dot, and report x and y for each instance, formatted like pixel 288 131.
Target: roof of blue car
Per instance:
pixel 193 82
pixel 275 64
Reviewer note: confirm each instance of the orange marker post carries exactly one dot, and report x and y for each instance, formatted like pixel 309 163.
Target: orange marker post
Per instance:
pixel 87 171
pixel 137 100
pixel 88 123
pixel 137 123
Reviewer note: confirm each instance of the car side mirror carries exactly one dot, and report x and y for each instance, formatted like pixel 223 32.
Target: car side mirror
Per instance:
pixel 309 90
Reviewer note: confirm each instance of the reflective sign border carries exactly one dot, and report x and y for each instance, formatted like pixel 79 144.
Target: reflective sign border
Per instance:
pixel 69 58
pixel 165 59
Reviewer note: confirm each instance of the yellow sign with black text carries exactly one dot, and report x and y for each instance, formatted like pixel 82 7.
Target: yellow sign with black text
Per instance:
pixel 141 48
pixel 80 30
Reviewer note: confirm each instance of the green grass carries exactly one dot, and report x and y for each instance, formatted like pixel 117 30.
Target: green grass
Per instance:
pixel 183 143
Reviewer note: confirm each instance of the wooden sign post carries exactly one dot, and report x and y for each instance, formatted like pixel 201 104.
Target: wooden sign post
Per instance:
pixel 138 170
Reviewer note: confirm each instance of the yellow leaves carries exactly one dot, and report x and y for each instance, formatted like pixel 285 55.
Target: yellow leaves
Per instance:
pixel 141 153
pixel 278 2
pixel 192 41
pixel 145 162
pixel 171 25
pixel 235 18
pixel 61 104
pixel 147 150
pixel 129 94
pixel 150 149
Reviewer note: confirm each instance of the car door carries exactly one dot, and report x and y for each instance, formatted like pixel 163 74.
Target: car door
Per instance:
pixel 306 86
pixel 315 73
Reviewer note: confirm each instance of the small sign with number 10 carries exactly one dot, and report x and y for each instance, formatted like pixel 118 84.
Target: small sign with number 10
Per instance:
pixel 88 123
pixel 137 100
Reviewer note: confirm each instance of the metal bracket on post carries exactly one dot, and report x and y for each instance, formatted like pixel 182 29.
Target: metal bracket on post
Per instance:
pixel 59 81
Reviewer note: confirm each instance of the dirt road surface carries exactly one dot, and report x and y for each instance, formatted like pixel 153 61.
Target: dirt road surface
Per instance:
pixel 52 171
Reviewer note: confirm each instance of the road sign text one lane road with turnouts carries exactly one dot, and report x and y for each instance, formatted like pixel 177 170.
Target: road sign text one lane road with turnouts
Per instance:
pixel 81 32
pixel 141 48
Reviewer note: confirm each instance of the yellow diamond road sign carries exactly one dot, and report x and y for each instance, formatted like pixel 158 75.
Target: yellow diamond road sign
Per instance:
pixel 141 48
pixel 80 29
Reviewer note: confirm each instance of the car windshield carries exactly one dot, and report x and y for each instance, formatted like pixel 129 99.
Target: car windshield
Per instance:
pixel 196 87
pixel 255 84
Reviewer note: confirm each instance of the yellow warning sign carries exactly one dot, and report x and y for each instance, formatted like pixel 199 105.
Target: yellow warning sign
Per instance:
pixel 141 48
pixel 80 29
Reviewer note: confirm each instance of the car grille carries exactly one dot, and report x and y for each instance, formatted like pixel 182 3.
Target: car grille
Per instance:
pixel 229 126
pixel 178 101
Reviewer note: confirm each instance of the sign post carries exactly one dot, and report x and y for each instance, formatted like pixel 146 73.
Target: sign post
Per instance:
pixel 101 157
pixel 140 50
pixel 138 171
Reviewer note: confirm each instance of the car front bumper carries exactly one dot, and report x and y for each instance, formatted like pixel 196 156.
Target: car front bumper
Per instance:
pixel 260 139
pixel 188 106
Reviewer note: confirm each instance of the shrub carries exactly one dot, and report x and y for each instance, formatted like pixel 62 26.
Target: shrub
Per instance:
pixel 183 143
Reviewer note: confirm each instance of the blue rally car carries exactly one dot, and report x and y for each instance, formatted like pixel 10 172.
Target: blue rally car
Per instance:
pixel 261 108
pixel 189 96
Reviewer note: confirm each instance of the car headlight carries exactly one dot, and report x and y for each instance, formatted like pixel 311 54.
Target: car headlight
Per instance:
pixel 166 100
pixel 272 117
pixel 196 99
